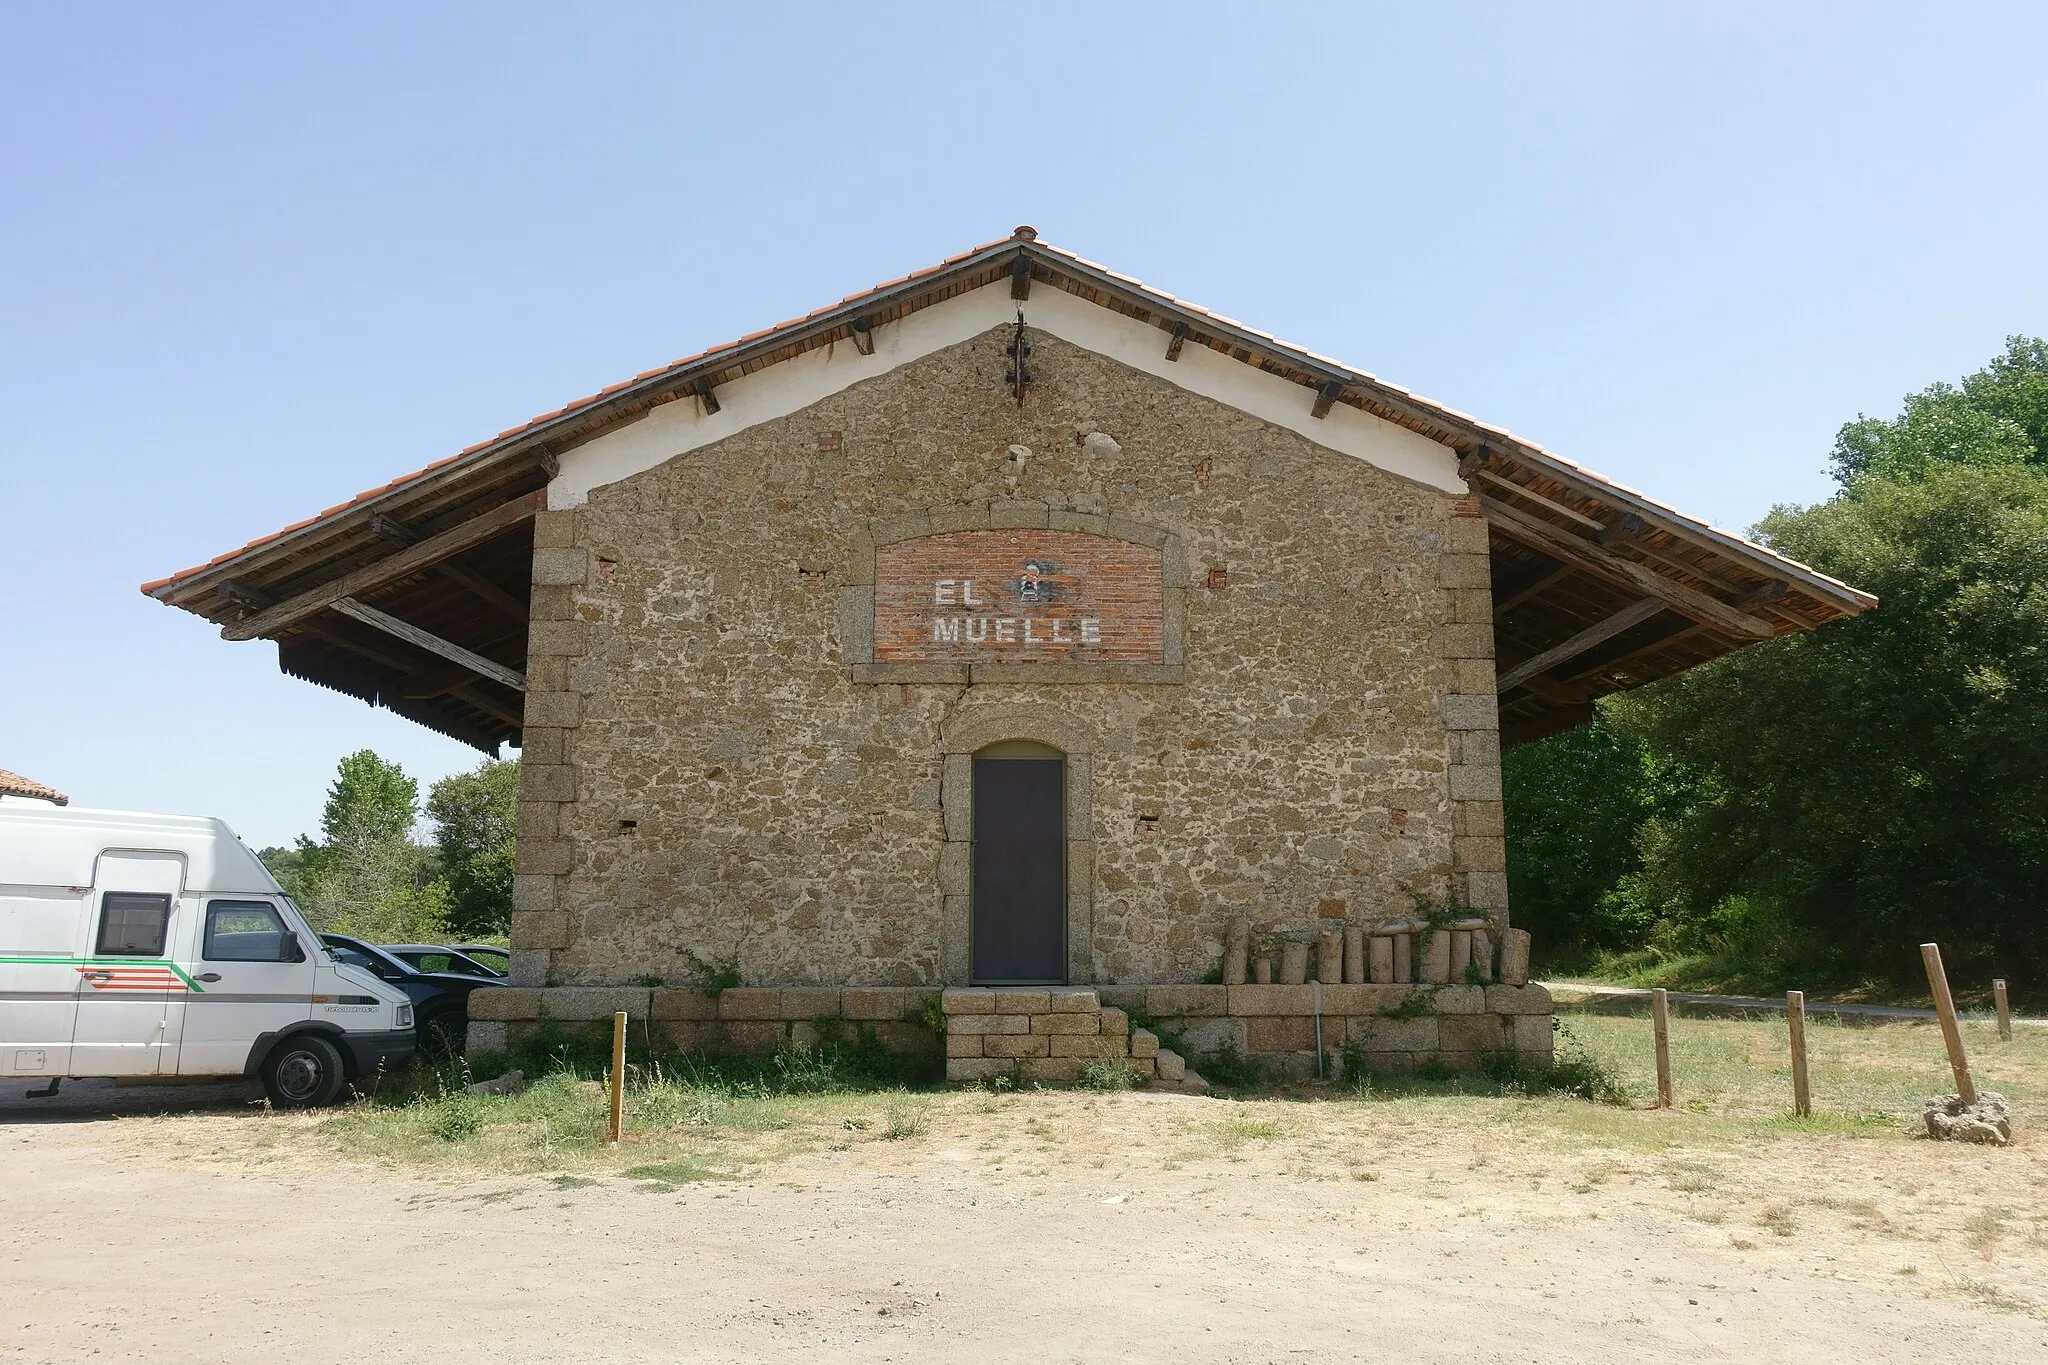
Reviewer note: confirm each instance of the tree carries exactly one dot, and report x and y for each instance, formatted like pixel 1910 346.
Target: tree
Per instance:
pixel 1826 801
pixel 1882 781
pixel 474 816
pixel 1578 802
pixel 366 876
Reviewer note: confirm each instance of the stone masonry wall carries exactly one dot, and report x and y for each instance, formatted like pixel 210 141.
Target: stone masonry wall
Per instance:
pixel 705 779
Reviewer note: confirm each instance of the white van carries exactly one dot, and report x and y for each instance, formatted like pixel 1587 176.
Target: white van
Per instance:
pixel 157 945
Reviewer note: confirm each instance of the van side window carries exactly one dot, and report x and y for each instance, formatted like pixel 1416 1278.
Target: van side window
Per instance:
pixel 245 931
pixel 132 924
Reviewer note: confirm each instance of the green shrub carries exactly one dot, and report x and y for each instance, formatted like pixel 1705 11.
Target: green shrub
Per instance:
pixel 1228 1067
pixel 1106 1073
pixel 455 1117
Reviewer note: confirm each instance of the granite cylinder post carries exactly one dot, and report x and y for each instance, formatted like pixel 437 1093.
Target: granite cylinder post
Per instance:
pixel 1330 957
pixel 1237 944
pixel 1436 957
pixel 1514 957
pixel 1461 954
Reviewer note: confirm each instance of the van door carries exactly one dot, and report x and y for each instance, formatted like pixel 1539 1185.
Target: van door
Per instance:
pixel 41 928
pixel 254 976
pixel 127 979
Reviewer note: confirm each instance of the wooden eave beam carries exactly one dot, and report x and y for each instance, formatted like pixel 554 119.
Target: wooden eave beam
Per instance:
pixel 489 706
pixel 1671 641
pixel 1561 544
pixel 1557 572
pixel 1522 491
pixel 390 528
pixel 1597 633
pixel 390 569
pixel 432 643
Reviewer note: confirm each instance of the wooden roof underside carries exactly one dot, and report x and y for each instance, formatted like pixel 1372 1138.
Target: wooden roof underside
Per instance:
pixel 1615 589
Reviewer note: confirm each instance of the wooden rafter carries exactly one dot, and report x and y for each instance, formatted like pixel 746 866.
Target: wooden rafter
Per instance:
pixel 432 643
pixel 390 528
pixel 1595 634
pixel 1524 491
pixel 1559 543
pixel 390 569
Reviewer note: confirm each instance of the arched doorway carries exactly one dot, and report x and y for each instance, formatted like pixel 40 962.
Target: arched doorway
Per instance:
pixel 1018 934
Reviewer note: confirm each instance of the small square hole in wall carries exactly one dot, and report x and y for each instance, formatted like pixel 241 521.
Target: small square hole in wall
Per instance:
pixel 606 568
pixel 629 826
pixel 1219 579
pixel 829 441
pixel 1147 827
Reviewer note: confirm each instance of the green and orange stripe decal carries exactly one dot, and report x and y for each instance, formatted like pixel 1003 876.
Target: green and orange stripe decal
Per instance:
pixel 120 973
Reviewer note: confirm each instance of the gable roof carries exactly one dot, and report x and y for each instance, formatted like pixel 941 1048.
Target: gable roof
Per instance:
pixel 1532 497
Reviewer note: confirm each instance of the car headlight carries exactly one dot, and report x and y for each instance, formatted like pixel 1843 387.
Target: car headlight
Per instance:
pixel 404 1016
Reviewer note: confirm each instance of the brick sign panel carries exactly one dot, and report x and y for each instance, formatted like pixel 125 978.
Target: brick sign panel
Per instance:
pixel 1019 596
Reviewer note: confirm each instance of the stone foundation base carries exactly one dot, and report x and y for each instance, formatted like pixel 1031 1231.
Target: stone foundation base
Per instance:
pixel 1048 1034
pixel 739 1019
pixel 1388 1028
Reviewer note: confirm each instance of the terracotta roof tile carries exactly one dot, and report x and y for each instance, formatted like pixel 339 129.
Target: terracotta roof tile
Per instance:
pixel 14 784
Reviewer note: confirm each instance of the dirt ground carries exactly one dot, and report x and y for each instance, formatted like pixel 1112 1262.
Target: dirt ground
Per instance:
pixel 193 1226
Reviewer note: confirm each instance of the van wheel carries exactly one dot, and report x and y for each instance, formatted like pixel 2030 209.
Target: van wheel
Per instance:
pixel 303 1072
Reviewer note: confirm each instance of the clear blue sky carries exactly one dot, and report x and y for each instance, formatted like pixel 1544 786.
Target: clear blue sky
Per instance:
pixel 255 259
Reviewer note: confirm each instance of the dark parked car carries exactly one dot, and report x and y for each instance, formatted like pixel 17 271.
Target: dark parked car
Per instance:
pixel 437 957
pixel 440 999
pixel 498 959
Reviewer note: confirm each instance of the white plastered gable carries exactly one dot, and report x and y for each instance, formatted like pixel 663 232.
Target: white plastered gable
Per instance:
pixel 778 390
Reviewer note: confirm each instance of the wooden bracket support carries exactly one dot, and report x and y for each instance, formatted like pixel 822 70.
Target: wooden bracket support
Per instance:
pixel 550 463
pixel 1597 633
pixel 1180 334
pixel 1626 527
pixel 242 595
pixel 863 336
pixel 1560 544
pixel 702 388
pixel 376 574
pixel 1020 279
pixel 433 644
pixel 1326 398
pixel 390 528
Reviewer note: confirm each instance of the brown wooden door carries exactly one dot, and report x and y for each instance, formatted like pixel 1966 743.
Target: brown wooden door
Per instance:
pixel 1020 871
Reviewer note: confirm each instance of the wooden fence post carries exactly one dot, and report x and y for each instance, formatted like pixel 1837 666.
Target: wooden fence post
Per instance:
pixel 1951 1031
pixel 1795 1028
pixel 616 1126
pixel 2004 1010
pixel 1660 1021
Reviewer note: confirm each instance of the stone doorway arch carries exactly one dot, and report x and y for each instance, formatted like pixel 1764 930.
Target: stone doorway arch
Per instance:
pixel 973 729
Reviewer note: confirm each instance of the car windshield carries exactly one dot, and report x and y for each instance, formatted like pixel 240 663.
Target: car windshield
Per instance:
pixel 497 961
pixel 432 961
pixel 354 956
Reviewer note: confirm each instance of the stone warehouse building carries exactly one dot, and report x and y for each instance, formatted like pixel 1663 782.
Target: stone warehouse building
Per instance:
pixel 1012 624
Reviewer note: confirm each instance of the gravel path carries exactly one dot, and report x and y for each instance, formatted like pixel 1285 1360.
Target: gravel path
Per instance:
pixel 116 1243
